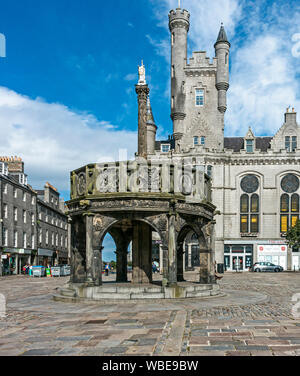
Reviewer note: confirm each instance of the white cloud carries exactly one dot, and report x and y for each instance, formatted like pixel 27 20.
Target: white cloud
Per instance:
pixel 52 140
pixel 131 77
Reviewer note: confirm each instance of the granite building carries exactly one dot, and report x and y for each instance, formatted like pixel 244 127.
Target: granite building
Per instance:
pixel 255 180
pixel 18 216
pixel 23 227
pixel 52 227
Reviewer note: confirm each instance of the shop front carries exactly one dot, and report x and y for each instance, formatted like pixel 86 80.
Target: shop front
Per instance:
pixel 277 254
pixel 238 257
pixel 13 260
pixel 45 257
pixel 61 257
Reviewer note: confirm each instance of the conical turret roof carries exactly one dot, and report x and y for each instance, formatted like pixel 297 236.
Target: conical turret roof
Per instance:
pixel 222 37
pixel 150 118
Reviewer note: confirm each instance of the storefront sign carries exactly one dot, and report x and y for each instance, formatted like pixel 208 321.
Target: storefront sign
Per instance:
pixel 272 248
pixel 45 252
pixel 4 257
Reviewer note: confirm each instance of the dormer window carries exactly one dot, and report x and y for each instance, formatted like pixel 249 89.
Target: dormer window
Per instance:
pixel 202 140
pixel 165 148
pixel 249 146
pixel 290 143
pixel 199 97
pixel 196 140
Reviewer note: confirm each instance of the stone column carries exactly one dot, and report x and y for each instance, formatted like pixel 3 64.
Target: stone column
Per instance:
pixel 204 270
pixel 189 267
pixel 142 92
pixel 122 263
pixel 141 253
pixel 161 259
pixel 172 251
pixel 89 247
pixel 180 263
pixel 97 266
pixel 78 246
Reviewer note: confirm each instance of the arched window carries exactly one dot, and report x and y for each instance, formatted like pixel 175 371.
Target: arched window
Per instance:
pixel 244 204
pixel 284 203
pixel 295 203
pixel 289 202
pixel 254 204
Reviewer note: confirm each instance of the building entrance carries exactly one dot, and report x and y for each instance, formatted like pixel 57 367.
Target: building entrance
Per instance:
pixel 238 258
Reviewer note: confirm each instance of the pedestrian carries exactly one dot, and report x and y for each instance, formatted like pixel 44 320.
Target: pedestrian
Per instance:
pixel 154 268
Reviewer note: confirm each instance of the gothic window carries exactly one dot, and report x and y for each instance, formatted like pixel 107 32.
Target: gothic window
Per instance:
pixel 196 140
pixel 250 184
pixel 294 143
pixel 199 97
pixel 202 141
pixel 194 236
pixel 249 205
pixel 249 146
pixel 289 202
pixel 249 208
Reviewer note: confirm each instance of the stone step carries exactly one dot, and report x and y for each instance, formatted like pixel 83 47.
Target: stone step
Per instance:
pixel 67 292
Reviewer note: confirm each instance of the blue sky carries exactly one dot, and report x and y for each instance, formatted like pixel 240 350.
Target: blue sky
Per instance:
pixel 67 83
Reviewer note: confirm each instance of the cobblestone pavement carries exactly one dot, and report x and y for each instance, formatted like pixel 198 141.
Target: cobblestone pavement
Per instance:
pixel 254 318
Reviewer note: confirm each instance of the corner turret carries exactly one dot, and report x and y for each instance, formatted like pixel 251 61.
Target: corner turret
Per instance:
pixel 179 24
pixel 151 129
pixel 222 47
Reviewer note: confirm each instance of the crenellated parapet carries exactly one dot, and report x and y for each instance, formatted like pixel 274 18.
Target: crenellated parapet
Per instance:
pixel 179 18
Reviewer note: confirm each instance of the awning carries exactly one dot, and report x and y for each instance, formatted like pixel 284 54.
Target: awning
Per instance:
pixel 45 252
pixel 17 251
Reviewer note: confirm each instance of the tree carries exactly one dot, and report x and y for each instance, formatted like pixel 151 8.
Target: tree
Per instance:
pixel 293 236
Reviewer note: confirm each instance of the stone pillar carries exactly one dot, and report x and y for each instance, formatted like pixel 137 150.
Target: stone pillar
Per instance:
pixel 122 264
pixel 89 247
pixel 97 266
pixel 141 253
pixel 180 263
pixel 172 251
pixel 142 92
pixel 78 247
pixel 204 269
pixel 189 267
pixel 161 259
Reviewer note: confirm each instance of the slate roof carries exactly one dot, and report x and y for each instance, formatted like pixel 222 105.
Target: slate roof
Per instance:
pixel 237 143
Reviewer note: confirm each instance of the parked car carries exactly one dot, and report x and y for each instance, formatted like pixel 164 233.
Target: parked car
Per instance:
pixel 266 267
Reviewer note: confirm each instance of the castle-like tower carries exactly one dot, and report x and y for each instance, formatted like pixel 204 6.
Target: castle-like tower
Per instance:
pixel 198 88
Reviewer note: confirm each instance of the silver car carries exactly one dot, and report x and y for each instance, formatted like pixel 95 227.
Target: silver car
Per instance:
pixel 266 267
